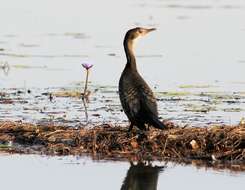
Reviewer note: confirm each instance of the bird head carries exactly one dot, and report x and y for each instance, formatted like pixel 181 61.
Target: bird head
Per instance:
pixel 135 33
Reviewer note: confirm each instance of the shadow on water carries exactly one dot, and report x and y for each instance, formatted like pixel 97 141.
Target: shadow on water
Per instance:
pixel 142 176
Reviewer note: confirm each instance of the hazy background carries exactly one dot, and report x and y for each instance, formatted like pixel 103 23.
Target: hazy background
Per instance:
pixel 196 41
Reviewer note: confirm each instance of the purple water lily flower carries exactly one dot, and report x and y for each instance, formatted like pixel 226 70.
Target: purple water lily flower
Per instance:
pixel 87 65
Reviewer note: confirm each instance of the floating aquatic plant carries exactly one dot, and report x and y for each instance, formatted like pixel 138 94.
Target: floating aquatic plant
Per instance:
pixel 86 93
pixel 87 65
pixel 5 67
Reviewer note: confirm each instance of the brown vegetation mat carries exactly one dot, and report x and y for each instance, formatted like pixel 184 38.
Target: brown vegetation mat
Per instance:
pixel 213 144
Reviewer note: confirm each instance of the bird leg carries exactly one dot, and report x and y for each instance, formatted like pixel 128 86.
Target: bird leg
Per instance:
pixel 147 127
pixel 142 127
pixel 130 127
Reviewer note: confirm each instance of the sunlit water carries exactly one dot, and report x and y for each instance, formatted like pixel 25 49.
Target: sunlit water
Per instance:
pixel 37 172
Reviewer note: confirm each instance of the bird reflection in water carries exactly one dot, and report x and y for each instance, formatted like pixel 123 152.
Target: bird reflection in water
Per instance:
pixel 142 177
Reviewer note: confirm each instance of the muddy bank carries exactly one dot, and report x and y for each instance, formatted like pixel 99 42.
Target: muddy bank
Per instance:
pixel 214 145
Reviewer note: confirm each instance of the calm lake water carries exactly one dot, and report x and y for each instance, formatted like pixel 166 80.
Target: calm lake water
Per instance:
pixel 195 63
pixel 37 172
pixel 196 57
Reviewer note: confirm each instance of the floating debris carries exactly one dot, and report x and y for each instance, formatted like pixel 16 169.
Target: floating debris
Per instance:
pixel 224 143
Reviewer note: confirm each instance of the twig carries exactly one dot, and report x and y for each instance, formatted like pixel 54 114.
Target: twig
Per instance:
pixel 85 110
pixel 86 84
pixel 165 145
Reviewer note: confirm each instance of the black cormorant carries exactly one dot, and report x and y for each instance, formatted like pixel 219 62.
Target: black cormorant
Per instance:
pixel 137 99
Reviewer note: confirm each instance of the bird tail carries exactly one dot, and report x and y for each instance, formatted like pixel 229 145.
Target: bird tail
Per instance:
pixel 157 124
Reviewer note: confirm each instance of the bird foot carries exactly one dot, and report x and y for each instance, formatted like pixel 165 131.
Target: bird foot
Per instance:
pixel 142 135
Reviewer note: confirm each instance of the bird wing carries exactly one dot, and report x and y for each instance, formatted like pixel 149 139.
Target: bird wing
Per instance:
pixel 148 101
pixel 130 102
pixel 137 99
pixel 139 102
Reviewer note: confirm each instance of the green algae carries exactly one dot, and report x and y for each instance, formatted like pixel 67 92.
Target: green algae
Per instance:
pixel 196 86
pixel 174 93
pixel 199 108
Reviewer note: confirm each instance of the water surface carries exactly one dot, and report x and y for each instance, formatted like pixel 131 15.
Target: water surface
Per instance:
pixel 196 56
pixel 28 172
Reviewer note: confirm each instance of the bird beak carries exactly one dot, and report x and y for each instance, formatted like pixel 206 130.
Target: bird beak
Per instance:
pixel 151 29
pixel 146 30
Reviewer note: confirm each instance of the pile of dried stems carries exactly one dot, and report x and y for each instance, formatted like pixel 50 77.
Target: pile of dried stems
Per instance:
pixel 214 143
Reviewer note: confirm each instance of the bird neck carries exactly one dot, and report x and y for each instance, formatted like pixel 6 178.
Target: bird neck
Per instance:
pixel 131 61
